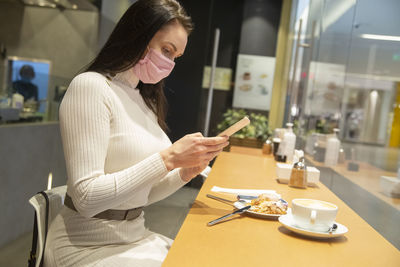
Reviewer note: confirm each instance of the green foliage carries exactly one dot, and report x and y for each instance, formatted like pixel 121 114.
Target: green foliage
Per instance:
pixel 258 127
pixel 323 126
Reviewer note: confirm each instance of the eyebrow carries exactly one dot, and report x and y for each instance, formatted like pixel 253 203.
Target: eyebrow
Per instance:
pixel 173 46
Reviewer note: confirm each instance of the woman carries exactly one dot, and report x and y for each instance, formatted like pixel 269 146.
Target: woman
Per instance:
pixel 118 157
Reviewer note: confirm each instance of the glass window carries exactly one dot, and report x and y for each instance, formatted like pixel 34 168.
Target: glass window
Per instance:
pixel 348 77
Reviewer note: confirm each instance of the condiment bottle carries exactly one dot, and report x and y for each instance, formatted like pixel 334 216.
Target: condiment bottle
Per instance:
pixel 342 156
pixel 267 147
pixel 17 101
pixel 298 177
pixel 332 149
pixel 288 143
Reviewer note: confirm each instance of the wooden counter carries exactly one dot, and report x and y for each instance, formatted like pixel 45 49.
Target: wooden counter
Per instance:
pixel 247 241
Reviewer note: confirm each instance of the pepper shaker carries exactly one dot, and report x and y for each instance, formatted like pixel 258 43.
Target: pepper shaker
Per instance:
pixel 298 177
pixel 267 147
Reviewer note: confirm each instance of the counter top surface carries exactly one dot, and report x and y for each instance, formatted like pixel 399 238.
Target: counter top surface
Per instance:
pixel 248 241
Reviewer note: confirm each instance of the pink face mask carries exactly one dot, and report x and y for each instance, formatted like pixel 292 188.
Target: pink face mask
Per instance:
pixel 153 67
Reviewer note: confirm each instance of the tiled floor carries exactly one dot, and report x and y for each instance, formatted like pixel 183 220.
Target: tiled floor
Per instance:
pixel 164 217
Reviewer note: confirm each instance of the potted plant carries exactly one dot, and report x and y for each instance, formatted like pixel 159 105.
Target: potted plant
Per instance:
pixel 254 135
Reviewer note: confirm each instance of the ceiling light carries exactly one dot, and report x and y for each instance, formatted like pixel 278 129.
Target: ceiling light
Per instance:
pixel 381 37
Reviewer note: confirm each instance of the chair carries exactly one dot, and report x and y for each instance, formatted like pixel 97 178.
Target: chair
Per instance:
pixel 47 204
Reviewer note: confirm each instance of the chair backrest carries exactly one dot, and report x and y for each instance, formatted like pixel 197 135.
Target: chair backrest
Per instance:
pixel 56 201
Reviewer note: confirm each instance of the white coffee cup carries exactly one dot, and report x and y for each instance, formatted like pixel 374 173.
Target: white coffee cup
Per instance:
pixel 312 214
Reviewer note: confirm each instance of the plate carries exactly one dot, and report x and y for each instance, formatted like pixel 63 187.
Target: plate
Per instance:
pixel 240 205
pixel 287 221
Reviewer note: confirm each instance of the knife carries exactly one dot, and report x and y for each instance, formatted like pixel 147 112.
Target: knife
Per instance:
pixel 244 197
pixel 223 200
pixel 239 211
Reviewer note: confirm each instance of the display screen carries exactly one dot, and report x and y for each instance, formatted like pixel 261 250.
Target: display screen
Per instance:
pixel 30 78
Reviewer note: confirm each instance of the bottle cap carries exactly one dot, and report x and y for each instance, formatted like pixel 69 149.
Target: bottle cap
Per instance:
pixel 300 165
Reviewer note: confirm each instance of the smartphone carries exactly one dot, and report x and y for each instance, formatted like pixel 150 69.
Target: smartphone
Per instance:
pixel 236 127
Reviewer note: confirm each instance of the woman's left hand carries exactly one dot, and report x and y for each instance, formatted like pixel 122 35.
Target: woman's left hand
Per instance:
pixel 188 174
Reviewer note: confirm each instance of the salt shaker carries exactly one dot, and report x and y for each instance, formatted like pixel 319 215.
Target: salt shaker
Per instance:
pixel 298 177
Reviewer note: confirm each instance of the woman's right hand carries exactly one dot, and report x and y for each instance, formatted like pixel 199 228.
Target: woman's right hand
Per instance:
pixel 193 150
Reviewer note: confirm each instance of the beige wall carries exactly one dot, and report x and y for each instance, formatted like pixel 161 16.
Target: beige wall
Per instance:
pixel 111 12
pixel 67 38
pixel 28 152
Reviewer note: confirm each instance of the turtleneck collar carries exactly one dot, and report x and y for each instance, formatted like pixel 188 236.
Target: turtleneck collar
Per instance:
pixel 128 78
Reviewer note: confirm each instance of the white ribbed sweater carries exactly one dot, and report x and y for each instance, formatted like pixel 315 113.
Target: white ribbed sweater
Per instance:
pixel 111 143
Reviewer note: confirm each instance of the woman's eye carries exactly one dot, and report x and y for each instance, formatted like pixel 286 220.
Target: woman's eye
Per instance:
pixel 167 53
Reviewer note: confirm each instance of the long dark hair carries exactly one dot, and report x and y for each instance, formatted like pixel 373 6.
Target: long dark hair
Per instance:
pixel 129 40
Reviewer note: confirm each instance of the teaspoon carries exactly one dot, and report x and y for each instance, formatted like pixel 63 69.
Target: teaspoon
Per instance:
pixel 332 228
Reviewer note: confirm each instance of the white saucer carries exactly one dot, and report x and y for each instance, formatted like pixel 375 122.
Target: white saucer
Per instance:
pixel 287 221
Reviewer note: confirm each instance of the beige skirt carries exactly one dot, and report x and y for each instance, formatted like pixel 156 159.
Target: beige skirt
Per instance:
pixel 74 240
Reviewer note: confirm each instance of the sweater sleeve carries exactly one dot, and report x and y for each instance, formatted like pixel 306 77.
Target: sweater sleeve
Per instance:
pixel 166 186
pixel 85 116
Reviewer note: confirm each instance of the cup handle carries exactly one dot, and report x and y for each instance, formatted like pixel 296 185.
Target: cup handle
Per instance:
pixel 313 216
